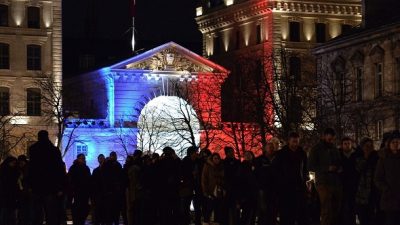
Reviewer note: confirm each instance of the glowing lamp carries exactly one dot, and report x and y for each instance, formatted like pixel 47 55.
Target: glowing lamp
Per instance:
pixel 311 175
pixel 199 11
pixel 228 2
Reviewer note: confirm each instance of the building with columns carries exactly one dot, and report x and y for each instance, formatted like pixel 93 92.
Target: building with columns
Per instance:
pixel 167 96
pixel 280 33
pixel 30 50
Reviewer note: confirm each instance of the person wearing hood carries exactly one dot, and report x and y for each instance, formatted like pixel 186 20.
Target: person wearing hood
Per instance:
pixel 79 179
pixel 8 190
pixel 387 175
pixel 212 183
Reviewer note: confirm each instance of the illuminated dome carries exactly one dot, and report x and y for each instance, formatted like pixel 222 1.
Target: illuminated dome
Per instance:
pixel 168 121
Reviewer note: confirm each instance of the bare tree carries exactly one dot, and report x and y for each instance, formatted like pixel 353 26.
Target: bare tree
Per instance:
pixel 9 141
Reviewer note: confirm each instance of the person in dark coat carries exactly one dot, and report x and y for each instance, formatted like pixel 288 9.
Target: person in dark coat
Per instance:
pixel 212 183
pixel 187 182
pixel 387 176
pixel 79 179
pixel 168 169
pixel 367 194
pixel 113 187
pixel 349 181
pixel 8 190
pixel 98 192
pixel 247 189
pixel 24 199
pixel 290 165
pixel 198 199
pixel 46 179
pixel 266 178
pixel 231 165
pixel 325 161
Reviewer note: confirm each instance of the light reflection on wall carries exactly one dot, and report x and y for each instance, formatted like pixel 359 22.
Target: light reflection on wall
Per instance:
pixel 18 12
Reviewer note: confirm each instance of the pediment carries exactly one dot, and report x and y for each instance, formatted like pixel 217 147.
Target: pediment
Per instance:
pixel 357 58
pixel 170 57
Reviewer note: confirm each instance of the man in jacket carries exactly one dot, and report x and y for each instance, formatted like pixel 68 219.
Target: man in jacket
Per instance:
pixel 325 162
pixel 290 166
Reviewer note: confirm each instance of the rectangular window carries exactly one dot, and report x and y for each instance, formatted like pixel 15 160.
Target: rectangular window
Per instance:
pixel 379 130
pixel 34 57
pixel 237 39
pixel 4 56
pixel 320 31
pixel 359 83
pixel 379 80
pixel 294 31
pixel 34 107
pixel 33 17
pixel 258 38
pixel 397 72
pixel 295 68
pixel 217 45
pixel 82 149
pixel 3 15
pixel 4 101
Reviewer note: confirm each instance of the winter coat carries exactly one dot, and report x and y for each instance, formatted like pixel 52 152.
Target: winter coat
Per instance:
pixel 212 176
pixel 321 157
pixel 231 166
pixel 46 173
pixel 247 182
pixel 366 190
pixel 291 170
pixel 387 179
pixel 8 186
pixel 349 175
pixel 187 179
pixel 79 178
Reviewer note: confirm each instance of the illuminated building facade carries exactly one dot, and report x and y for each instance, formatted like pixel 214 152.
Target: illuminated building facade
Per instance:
pixel 165 96
pixel 30 48
pixel 362 68
pixel 233 29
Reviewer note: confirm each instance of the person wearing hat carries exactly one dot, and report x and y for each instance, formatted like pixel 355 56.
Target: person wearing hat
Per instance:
pixel 387 180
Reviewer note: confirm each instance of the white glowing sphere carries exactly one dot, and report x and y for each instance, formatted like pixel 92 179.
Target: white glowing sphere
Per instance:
pixel 168 121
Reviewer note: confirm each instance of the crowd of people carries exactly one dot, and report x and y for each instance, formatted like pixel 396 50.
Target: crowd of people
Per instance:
pixel 284 185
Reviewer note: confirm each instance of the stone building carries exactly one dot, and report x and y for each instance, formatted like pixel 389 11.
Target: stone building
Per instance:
pixel 280 34
pixel 359 76
pixel 30 49
pixel 167 96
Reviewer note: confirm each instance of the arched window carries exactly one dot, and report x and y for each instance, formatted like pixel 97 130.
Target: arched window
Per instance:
pixel 4 56
pixel 33 100
pixel 4 15
pixel 33 17
pixel 4 101
pixel 34 57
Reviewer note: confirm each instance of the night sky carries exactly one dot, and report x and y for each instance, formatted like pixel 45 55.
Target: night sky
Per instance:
pixel 101 28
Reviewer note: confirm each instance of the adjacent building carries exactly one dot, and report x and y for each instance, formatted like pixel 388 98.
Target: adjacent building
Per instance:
pixel 30 50
pixel 278 34
pixel 359 75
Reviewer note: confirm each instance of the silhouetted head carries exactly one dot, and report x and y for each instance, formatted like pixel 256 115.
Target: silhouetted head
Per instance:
pixel 229 152
pixel 113 156
pixel 43 135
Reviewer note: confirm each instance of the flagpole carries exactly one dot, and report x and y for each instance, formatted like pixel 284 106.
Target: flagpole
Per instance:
pixel 133 42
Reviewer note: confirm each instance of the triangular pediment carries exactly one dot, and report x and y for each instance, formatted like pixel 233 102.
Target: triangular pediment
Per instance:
pixel 170 57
